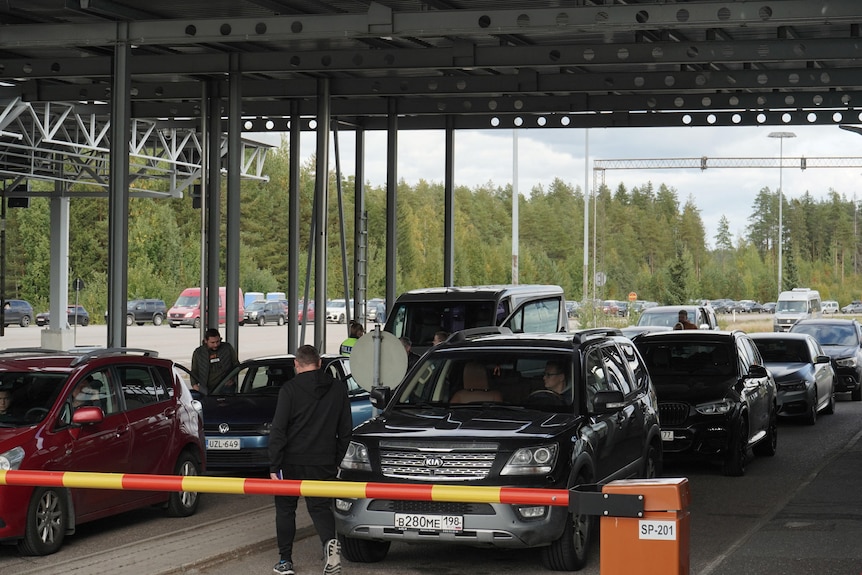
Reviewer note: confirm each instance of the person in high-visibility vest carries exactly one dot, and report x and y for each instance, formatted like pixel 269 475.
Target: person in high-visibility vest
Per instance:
pixel 354 333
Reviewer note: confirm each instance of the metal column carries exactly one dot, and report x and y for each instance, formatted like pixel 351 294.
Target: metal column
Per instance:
pixel 118 193
pixel 321 197
pixel 293 229
pixel 391 203
pixel 234 150
pixel 360 227
pixel 449 206
pixel 209 291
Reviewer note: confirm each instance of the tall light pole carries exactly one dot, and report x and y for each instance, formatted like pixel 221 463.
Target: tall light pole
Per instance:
pixel 780 136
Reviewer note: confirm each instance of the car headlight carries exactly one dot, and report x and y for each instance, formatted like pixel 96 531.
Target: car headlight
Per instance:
pixel 715 407
pixel 846 362
pixel 12 459
pixel 531 461
pixel 356 457
pixel 796 385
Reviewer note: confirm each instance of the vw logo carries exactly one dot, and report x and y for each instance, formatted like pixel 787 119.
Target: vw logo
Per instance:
pixel 433 462
pixel 223 427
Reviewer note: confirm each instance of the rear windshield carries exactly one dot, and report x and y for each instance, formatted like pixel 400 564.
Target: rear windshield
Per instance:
pixel 687 358
pixel 421 320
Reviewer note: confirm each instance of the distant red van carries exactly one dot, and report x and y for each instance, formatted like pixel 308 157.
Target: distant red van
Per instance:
pixel 187 309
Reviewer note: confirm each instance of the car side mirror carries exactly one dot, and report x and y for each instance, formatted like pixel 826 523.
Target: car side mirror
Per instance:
pixel 757 371
pixel 608 401
pixel 380 397
pixel 88 414
pixel 822 359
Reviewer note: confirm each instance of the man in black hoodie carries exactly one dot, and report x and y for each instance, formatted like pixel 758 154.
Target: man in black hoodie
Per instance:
pixel 309 436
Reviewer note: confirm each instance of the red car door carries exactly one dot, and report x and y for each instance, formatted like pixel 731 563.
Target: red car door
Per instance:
pixel 102 447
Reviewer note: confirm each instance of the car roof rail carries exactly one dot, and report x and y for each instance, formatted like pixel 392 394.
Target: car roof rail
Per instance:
pixel 472 332
pixel 100 352
pixel 22 350
pixel 583 335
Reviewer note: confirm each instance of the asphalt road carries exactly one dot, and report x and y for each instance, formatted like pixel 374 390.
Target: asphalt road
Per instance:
pixel 732 519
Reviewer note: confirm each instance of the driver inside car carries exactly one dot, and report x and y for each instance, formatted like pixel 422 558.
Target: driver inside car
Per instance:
pixel 555 380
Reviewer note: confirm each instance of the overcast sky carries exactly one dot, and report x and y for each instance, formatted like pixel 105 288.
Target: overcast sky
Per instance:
pixel 545 154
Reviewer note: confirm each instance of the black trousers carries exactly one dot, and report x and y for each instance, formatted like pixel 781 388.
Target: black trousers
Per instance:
pixel 319 508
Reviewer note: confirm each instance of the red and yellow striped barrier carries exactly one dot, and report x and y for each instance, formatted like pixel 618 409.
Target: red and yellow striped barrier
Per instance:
pixel 307 488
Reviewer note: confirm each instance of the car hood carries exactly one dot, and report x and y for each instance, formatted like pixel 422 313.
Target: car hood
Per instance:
pixel 11 437
pixel 788 370
pixel 250 408
pixel 489 422
pixel 839 351
pixel 693 389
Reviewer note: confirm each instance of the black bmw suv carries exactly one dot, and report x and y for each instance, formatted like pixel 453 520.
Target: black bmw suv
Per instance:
pixel 525 410
pixel 716 398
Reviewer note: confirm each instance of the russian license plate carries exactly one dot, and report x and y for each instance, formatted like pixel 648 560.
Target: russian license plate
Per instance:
pixel 667 435
pixel 216 444
pixel 423 522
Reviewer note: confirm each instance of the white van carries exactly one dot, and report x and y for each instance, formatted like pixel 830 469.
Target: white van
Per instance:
pixel 796 304
pixel 830 306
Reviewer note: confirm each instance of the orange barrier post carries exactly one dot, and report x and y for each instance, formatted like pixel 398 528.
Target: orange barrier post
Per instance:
pixel 656 543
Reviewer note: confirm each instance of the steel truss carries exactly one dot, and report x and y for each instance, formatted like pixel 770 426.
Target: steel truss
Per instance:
pixel 70 143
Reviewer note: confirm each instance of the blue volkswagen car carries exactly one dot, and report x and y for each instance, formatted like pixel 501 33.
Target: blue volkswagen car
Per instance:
pixel 238 413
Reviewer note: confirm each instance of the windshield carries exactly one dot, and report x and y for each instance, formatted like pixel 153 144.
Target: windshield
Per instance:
pixel 255 306
pixel 188 301
pixel 30 397
pixel 795 306
pixel 839 335
pixel 336 303
pixel 515 378
pixel 783 350
pixel 667 318
pixel 256 379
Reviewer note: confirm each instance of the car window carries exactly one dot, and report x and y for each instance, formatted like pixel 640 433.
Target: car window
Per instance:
pixel 636 365
pixel 140 388
pixel 701 358
pixel 618 378
pixel 535 317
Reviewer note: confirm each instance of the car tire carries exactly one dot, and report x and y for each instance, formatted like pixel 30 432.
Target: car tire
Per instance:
pixel 158 319
pixel 280 320
pixel 130 319
pixel 363 550
pixel 570 551
pixel 140 323
pixel 734 461
pixel 830 407
pixel 652 462
pixel 856 394
pixel 196 323
pixel 173 325
pixel 261 321
pixel 810 418
pixel 769 444
pixel 341 318
pixel 46 522
pixel 25 321
pixel 85 322
pixel 184 503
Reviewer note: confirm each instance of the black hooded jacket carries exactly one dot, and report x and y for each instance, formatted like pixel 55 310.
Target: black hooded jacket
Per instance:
pixel 312 423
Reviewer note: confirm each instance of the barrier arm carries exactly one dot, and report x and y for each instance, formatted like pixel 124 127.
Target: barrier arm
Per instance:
pixel 306 488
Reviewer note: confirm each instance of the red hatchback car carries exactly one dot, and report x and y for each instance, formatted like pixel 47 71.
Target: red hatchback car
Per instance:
pixel 109 410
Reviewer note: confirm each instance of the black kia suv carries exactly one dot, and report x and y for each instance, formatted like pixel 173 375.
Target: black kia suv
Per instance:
pixel 539 411
pixel 715 397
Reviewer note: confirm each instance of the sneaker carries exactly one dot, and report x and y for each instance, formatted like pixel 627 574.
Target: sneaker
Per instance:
pixel 284 567
pixel 332 551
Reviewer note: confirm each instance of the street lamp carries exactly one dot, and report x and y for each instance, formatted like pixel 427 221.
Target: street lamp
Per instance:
pixel 780 136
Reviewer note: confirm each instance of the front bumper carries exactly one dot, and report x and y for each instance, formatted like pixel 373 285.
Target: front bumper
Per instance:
pixel 792 403
pixel 700 439
pixel 846 379
pixel 487 524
